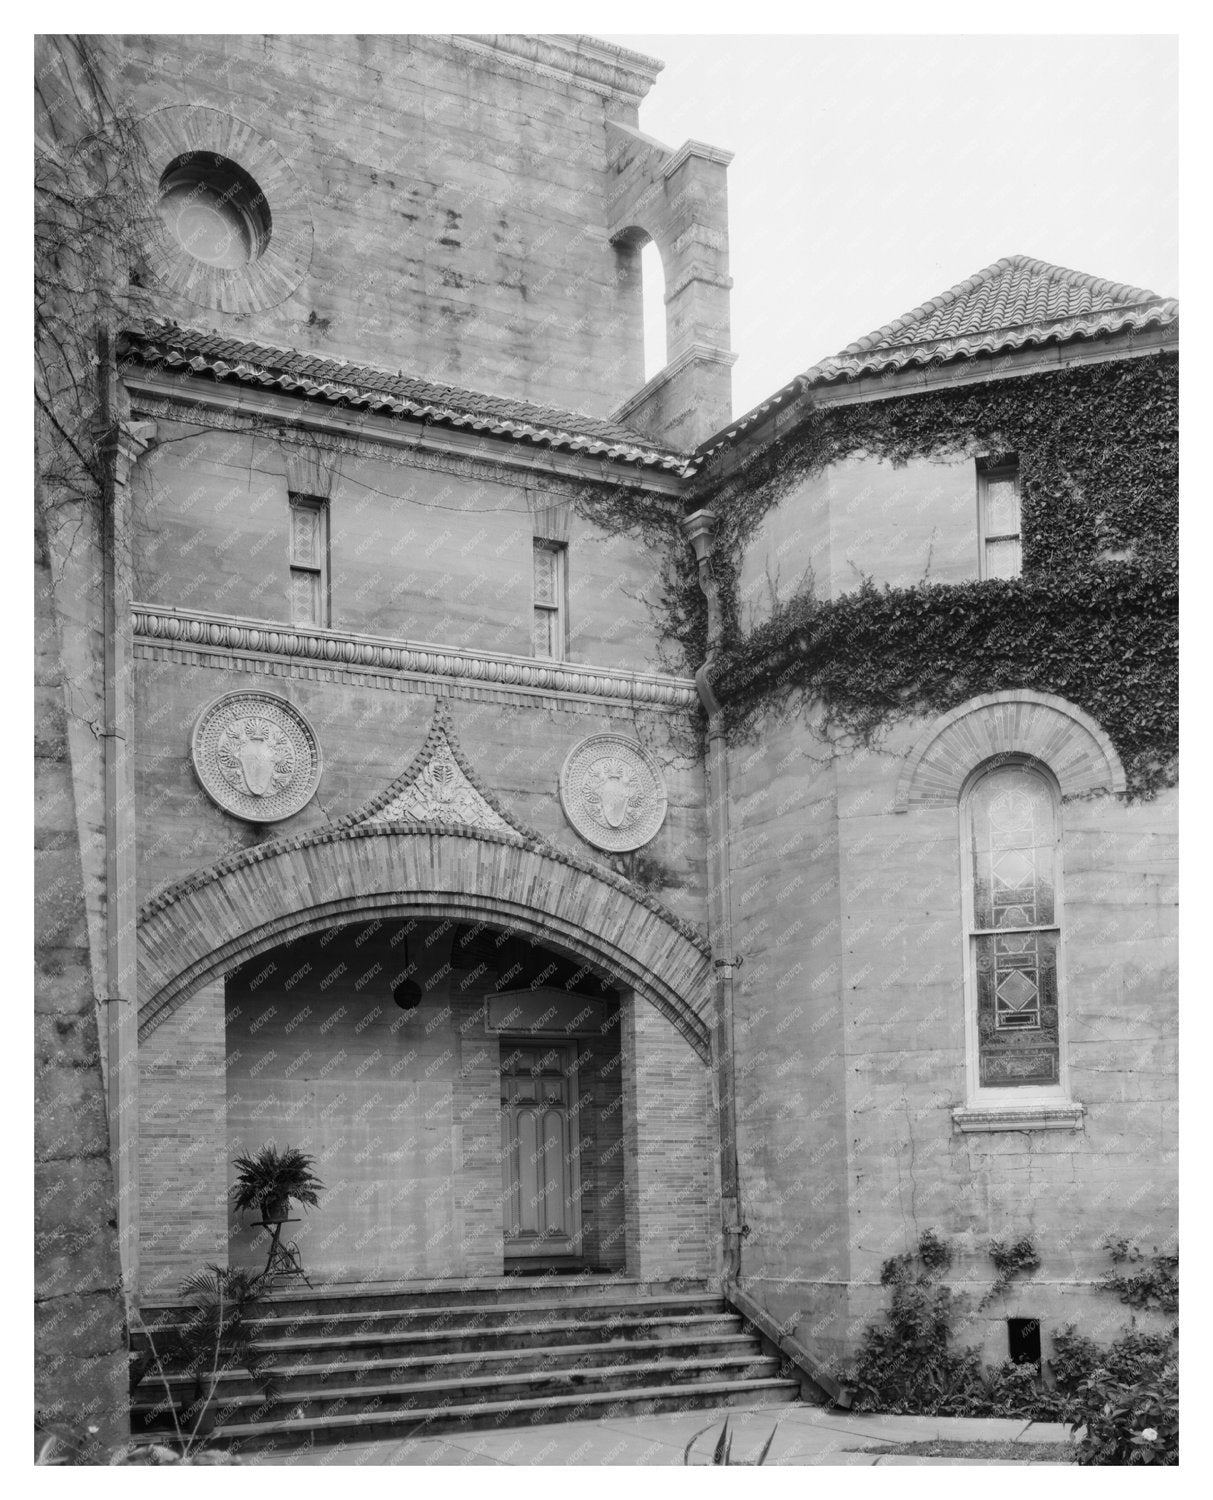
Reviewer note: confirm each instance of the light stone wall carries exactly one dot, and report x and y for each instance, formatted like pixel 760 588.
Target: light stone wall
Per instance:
pixel 183 1145
pixel 459 202
pixel 851 1050
pixel 863 518
pixel 400 1111
pixel 80 1364
pixel 369 734
pixel 415 553
pixel 671 1163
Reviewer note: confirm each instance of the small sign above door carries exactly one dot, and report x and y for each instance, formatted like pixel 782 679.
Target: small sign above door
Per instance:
pixel 545 1012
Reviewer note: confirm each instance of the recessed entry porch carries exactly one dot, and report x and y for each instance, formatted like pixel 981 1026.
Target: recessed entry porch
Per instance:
pixel 523 1112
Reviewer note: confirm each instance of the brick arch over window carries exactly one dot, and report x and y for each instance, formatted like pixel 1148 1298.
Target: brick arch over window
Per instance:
pixel 1022 722
pixel 205 926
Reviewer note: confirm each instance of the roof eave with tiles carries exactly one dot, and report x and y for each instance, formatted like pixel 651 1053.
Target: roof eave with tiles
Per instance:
pixel 170 347
pixel 1016 303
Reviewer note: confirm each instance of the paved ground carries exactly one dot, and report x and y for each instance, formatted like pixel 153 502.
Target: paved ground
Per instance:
pixel 804 1435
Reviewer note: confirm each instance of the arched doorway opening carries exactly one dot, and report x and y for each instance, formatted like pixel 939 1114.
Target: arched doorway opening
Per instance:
pixel 475 1129
pixel 530 1113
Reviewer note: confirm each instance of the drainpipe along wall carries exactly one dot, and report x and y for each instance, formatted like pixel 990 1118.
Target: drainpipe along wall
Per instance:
pixel 123 443
pixel 817 1378
pixel 699 532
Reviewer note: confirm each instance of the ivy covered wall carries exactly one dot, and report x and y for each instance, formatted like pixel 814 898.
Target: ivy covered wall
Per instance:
pixel 1093 618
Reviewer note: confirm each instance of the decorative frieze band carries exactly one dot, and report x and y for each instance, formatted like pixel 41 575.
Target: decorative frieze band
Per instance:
pixel 189 628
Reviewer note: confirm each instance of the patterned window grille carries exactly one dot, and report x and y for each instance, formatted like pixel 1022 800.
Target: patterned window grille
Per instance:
pixel 1012 817
pixel 550 600
pixel 999 522
pixel 309 562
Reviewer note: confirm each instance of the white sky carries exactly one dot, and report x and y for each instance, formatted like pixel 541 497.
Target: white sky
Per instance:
pixel 873 172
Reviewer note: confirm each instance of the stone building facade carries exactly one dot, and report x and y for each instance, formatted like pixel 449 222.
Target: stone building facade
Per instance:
pixel 418 837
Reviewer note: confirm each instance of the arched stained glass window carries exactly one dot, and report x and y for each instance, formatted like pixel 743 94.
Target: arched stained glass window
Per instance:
pixel 1012 823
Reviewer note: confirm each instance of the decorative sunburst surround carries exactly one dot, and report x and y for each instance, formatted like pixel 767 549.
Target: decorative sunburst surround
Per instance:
pixel 282 260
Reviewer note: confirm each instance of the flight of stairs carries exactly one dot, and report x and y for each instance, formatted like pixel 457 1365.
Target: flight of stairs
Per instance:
pixel 361 1365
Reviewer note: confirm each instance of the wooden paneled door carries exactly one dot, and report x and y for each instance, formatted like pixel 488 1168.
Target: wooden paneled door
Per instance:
pixel 539 1142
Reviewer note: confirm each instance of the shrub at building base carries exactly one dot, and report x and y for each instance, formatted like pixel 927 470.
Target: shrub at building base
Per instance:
pixel 1121 1401
pixel 906 1363
pixel 1118 1423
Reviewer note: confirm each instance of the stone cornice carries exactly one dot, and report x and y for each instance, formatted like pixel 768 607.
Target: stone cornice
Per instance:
pixel 734 446
pixel 598 66
pixel 693 354
pixel 152 393
pixel 413 451
pixel 700 149
pixel 1031 360
pixel 269 639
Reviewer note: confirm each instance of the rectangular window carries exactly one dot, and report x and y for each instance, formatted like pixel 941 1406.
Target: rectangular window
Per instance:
pixel 998 521
pixel 550 599
pixel 309 562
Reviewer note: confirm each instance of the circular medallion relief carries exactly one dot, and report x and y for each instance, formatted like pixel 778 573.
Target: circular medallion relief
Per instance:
pixel 256 756
pixel 613 792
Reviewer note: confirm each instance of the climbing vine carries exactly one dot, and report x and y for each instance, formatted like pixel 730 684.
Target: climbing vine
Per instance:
pixel 1108 645
pixel 675 602
pixel 1017 1259
pixel 93 223
pixel 1153 1281
pixel 1121 1398
pixel 1093 618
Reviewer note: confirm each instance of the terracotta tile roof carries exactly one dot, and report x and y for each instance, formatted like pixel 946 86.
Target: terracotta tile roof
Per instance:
pixel 176 349
pixel 1015 302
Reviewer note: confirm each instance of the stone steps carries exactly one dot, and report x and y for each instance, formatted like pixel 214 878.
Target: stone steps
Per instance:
pixel 357 1368
pixel 459 1296
pixel 455 1319
pixel 396 1367
pixel 491 1416
pixel 426 1395
pixel 386 1343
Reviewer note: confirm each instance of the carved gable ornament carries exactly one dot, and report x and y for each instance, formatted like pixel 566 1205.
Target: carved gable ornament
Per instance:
pixel 613 792
pixel 256 756
pixel 439 787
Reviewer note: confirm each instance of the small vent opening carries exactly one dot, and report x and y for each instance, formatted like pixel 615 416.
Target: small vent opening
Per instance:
pixel 1023 1340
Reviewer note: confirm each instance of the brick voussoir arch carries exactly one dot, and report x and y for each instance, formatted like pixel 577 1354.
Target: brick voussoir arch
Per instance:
pixel 247 903
pixel 1041 726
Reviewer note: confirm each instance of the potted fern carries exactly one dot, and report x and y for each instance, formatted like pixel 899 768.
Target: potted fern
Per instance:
pixel 268 1183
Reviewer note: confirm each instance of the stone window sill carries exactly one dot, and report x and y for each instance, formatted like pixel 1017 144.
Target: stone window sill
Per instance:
pixel 1038 1116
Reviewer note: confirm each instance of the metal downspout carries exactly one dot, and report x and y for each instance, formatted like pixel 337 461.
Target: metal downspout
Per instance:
pixel 698 530
pixel 123 442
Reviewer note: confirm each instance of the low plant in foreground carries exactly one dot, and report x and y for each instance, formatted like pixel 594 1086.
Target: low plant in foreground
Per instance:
pixel 722 1454
pixel 64 1450
pixel 214 1337
pixel 1120 1423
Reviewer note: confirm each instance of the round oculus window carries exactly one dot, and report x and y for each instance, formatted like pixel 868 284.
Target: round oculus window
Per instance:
pixel 214 210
